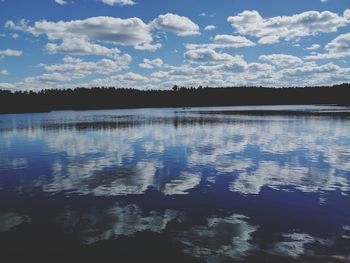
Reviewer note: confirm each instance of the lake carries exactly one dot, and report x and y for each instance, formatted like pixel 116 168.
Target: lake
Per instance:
pixel 229 184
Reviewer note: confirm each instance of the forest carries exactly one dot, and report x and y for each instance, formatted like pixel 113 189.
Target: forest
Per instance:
pixel 82 98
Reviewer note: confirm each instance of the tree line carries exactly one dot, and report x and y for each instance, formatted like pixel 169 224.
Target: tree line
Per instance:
pixel 82 98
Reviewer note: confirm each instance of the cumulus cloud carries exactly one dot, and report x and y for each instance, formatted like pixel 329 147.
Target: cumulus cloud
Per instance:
pixel 10 52
pixel 208 56
pixel 309 69
pixel 207 69
pixel 337 48
pixel 3 72
pixel 150 64
pixel 179 25
pixel 103 29
pixel 130 76
pixel 271 30
pixel 233 41
pixel 22 25
pixel 282 60
pixel 5 85
pixel 313 47
pixel 80 46
pixel 224 41
pixel 80 36
pixel 125 80
pixel 81 67
pixel 118 2
pixel 61 2
pixel 210 27
pixel 60 74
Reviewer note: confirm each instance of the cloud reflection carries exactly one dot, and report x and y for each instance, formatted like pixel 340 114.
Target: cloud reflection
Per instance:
pixel 277 176
pixel 115 222
pixel 221 240
pixel 9 220
pixel 169 151
pixel 296 245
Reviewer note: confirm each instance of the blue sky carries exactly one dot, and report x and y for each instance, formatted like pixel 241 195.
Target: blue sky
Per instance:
pixel 159 43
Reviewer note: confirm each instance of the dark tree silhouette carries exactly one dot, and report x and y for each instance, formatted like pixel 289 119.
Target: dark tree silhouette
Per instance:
pixel 82 98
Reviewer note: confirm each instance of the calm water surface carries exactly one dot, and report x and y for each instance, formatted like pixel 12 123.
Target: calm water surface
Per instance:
pixel 231 184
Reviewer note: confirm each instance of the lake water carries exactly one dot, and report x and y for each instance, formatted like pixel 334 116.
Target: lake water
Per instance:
pixel 231 184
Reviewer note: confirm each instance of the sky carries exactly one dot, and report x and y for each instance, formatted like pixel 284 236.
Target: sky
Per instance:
pixel 155 44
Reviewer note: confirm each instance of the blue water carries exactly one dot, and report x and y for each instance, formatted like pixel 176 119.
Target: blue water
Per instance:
pixel 177 185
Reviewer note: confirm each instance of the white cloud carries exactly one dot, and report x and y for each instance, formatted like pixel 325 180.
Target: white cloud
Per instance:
pixel 102 29
pixel 223 41
pixel 210 27
pixel 337 48
pixel 313 47
pixel 148 46
pixel 233 41
pixel 10 52
pixel 150 64
pixel 15 36
pixel 309 69
pixel 271 30
pixel 5 85
pixel 81 68
pixel 213 72
pixel 179 25
pixel 118 2
pixel 79 46
pixel 208 56
pixel 126 80
pixel 22 25
pixel 3 72
pixel 282 60
pixel 61 2
pixel 130 76
pixel 269 40
pixel 59 75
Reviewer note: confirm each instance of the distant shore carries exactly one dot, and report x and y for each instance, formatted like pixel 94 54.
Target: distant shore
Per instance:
pixel 112 98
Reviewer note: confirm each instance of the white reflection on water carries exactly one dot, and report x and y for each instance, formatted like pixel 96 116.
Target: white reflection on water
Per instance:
pixel 296 245
pixel 115 222
pixel 274 175
pixel 183 183
pixel 10 219
pixel 102 177
pixel 15 163
pixel 127 155
pixel 346 230
pixel 220 240
pixel 177 155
